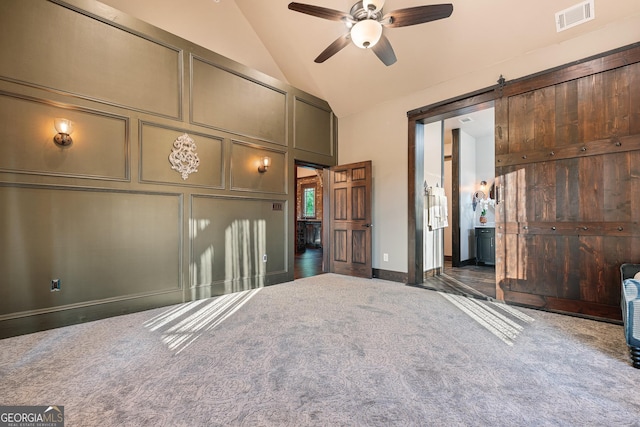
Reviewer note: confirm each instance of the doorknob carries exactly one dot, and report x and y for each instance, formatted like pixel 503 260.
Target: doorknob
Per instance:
pixel 367 225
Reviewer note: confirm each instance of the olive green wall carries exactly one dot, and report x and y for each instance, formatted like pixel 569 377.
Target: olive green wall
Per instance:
pixel 107 215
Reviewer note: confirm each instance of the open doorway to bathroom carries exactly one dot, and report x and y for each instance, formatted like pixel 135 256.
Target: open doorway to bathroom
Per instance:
pixel 465 169
pixel 309 224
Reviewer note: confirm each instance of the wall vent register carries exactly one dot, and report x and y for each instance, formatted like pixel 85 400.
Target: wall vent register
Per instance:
pixel 575 15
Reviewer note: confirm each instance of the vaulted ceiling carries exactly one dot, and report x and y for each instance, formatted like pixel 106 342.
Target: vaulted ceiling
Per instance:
pixel 479 35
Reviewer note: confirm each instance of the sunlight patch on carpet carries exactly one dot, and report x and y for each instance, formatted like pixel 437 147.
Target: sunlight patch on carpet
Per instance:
pixel 504 326
pixel 184 324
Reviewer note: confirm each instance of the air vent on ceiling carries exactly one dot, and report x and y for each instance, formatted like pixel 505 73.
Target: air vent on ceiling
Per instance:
pixel 575 15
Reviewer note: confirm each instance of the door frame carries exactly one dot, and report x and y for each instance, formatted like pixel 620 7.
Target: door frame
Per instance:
pixel 324 169
pixel 453 107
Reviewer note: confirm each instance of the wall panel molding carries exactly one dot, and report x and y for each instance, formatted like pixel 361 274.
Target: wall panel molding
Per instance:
pixel 156 142
pixel 245 158
pixel 223 99
pixel 103 244
pixel 313 125
pixel 229 237
pixel 113 78
pixel 29 120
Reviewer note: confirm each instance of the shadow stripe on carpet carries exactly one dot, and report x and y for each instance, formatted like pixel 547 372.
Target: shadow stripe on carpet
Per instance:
pixel 500 325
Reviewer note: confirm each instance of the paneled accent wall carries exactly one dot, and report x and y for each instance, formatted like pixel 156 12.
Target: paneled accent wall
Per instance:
pixel 236 244
pixel 156 144
pixel 223 99
pixel 98 243
pixel 245 159
pixel 310 138
pixel 87 57
pixel 101 150
pixel 107 215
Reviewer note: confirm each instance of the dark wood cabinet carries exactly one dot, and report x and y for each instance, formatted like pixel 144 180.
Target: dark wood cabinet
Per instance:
pixel 308 235
pixel 485 245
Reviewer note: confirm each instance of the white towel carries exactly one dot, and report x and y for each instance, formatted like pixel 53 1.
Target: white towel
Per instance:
pixel 436 208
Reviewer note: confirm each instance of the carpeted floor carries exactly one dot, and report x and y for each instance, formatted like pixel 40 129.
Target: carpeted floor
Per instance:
pixel 328 351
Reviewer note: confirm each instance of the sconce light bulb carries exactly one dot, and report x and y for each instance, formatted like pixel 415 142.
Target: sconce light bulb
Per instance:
pixel 265 162
pixel 64 128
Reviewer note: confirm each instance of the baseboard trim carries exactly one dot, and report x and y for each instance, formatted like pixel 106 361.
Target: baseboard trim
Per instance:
pixel 50 320
pixel 466 262
pixel 392 276
pixel 432 272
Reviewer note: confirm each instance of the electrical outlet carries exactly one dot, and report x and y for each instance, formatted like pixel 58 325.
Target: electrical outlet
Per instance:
pixel 55 285
pixel 264 258
pixel 385 257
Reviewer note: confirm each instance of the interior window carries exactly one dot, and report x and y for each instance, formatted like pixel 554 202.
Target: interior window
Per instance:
pixel 309 210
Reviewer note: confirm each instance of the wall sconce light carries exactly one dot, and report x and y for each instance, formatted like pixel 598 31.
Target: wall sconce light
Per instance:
pixel 65 129
pixel 265 162
pixel 483 185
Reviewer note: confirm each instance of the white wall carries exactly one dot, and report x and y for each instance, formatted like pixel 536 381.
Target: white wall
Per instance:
pixel 387 149
pixel 380 132
pixel 485 170
pixel 485 159
pixel 432 254
pixel 468 186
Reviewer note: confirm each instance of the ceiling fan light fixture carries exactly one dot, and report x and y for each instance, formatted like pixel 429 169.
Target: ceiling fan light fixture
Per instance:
pixel 373 4
pixel 366 33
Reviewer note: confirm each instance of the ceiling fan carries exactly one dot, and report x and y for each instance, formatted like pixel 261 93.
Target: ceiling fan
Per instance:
pixel 365 22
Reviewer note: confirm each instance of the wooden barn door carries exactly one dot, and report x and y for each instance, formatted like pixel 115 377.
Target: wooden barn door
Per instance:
pixel 568 175
pixel 350 219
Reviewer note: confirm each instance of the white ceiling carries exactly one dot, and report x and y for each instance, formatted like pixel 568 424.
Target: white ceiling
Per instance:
pixel 481 124
pixel 478 35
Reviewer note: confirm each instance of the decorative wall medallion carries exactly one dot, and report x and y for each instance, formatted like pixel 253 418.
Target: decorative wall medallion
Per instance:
pixel 183 157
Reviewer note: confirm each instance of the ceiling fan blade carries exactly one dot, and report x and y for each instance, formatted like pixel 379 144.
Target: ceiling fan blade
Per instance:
pixel 334 48
pixel 417 15
pixel 320 12
pixel 384 51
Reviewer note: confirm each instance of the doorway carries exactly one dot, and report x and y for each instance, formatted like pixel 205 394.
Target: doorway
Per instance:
pixel 308 221
pixel 466 172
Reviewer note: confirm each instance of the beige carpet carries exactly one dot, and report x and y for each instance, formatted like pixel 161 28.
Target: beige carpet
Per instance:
pixel 328 351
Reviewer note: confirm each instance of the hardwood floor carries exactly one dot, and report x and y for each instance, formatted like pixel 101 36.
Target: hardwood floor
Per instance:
pixel 474 281
pixel 471 280
pixel 308 263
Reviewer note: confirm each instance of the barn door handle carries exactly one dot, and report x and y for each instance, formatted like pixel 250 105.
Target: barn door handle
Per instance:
pixel 367 225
